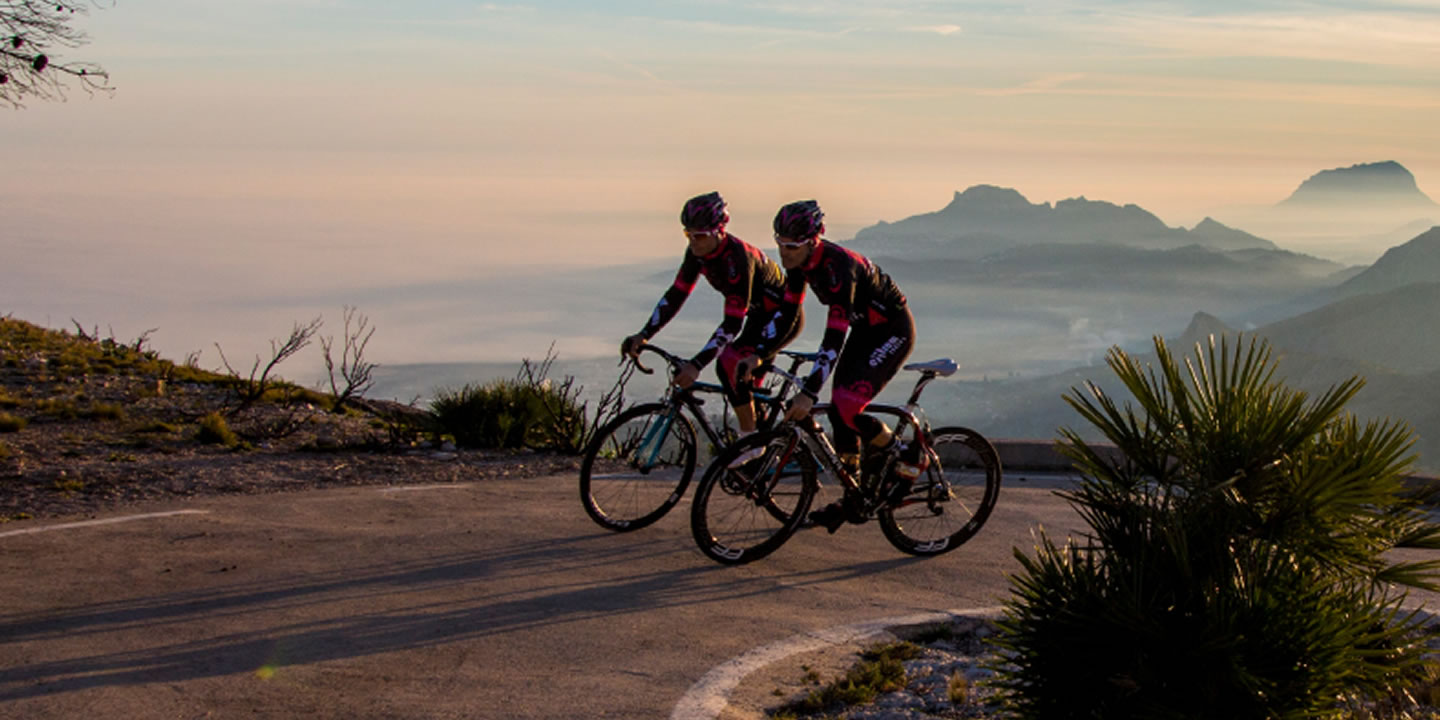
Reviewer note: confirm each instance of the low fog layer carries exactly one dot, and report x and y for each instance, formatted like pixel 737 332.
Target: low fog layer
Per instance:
pixel 1029 297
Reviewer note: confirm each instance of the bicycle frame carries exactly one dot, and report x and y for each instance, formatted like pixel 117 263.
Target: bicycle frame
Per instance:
pixel 757 493
pixel 909 415
pixel 686 398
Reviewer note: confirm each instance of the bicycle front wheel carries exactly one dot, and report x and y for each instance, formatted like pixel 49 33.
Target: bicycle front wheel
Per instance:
pixel 744 513
pixel 637 467
pixel 951 500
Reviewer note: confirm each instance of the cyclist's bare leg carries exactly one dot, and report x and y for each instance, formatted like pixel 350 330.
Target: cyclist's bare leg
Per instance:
pixel 745 417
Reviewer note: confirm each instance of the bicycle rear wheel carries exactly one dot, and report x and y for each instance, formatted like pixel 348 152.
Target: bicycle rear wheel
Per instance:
pixel 742 514
pixel 951 500
pixel 638 467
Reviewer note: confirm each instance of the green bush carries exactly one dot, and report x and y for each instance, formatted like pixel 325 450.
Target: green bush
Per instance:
pixel 283 393
pixel 498 414
pixel 157 426
pixel 1236 564
pixel 880 670
pixel 11 423
pixel 62 408
pixel 104 411
pixel 529 411
pixel 215 431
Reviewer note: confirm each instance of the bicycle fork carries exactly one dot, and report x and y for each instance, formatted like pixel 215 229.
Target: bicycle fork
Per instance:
pixel 654 440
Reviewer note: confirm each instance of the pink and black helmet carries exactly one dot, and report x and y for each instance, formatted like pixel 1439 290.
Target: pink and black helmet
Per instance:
pixel 800 220
pixel 704 212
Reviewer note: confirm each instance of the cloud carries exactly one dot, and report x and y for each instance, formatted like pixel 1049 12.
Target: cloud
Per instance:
pixel 1222 89
pixel 1353 36
pixel 937 29
pixel 631 67
pixel 1046 84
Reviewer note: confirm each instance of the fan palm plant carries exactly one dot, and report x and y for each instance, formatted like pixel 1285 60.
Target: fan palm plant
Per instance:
pixel 1238 559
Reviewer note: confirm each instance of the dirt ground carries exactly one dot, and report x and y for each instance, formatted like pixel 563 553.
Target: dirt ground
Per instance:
pixel 102 441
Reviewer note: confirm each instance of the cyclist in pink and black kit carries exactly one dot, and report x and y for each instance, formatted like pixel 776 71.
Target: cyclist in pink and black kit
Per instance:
pixel 868 335
pixel 753 286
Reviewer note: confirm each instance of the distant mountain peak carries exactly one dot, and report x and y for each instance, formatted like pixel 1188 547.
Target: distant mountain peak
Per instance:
pixel 1218 234
pixel 1202 327
pixel 990 197
pixel 1385 182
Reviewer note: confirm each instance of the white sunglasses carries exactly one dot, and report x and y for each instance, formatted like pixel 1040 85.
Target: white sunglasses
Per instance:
pixel 790 244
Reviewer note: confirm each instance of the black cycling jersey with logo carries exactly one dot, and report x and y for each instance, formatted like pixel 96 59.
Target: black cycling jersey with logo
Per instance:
pixel 741 273
pixel 857 291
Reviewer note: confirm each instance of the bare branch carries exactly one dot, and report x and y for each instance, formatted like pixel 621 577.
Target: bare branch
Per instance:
pixel 354 369
pixel 251 389
pixel 32 37
pixel 300 337
pixel 80 331
pixel 140 342
pixel 569 424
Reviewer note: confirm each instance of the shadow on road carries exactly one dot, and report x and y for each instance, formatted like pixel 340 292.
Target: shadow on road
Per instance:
pixel 359 611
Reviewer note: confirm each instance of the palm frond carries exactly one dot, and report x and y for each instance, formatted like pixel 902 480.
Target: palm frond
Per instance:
pixel 1237 559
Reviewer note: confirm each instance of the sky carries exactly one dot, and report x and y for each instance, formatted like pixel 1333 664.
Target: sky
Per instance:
pixel 283 156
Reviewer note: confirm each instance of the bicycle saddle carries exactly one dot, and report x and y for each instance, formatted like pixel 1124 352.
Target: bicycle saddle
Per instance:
pixel 944 367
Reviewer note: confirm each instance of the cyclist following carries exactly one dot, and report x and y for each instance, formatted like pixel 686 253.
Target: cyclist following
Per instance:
pixel 869 333
pixel 753 287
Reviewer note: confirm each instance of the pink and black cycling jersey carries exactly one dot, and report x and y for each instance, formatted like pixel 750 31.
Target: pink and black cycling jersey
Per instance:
pixel 857 292
pixel 741 273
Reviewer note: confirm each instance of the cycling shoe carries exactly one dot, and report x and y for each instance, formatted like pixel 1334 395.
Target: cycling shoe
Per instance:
pixel 831 517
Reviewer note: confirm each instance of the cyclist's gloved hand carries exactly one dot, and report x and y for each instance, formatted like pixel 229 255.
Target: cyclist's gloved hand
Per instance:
pixel 799 407
pixel 686 375
pixel 630 346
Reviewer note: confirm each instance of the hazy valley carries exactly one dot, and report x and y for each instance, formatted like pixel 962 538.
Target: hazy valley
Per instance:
pixel 1029 297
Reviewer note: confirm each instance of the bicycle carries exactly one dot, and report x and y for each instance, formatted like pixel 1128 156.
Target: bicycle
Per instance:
pixel 741 514
pixel 638 465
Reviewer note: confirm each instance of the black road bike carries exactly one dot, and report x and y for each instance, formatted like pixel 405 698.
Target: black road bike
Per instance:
pixel 744 511
pixel 638 465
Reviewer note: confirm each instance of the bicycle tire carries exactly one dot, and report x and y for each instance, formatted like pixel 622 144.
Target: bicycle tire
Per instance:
pixel 951 501
pixel 637 467
pixel 739 515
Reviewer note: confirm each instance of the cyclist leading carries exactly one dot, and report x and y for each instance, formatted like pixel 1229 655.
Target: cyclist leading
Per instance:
pixel 753 286
pixel 869 333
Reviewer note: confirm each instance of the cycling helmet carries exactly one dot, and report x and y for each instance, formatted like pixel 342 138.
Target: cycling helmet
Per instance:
pixel 704 212
pixel 800 220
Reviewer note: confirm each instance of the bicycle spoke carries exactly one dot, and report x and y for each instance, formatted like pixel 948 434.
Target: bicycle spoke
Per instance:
pixel 950 500
pixel 743 513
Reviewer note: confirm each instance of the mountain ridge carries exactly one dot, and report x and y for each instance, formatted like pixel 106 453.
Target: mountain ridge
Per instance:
pixel 1412 262
pixel 1386 182
pixel 987 218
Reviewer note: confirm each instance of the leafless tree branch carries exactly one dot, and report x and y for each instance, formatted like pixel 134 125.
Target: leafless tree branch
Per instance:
pixel 250 388
pixel 30 34
pixel 354 370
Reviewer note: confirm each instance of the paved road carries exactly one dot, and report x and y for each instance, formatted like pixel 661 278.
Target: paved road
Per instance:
pixel 498 599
